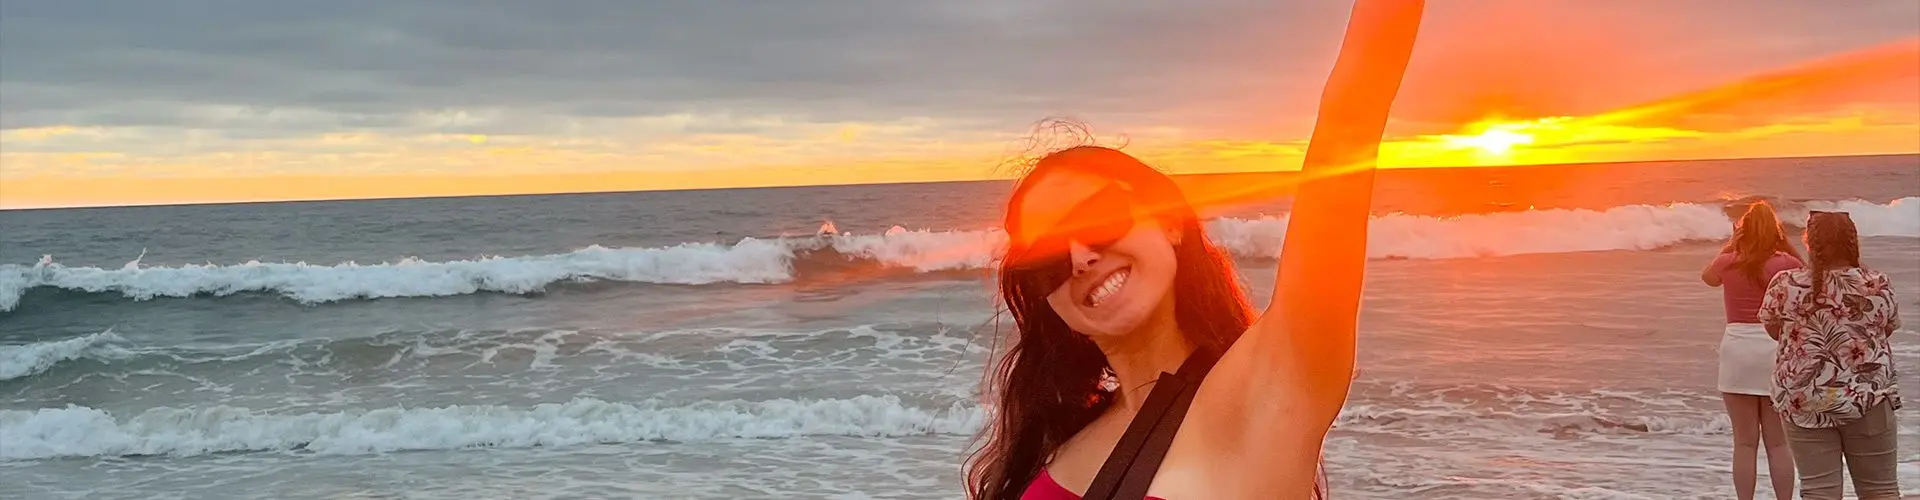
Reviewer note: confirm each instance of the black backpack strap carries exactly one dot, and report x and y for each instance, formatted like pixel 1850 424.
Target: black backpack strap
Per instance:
pixel 1129 470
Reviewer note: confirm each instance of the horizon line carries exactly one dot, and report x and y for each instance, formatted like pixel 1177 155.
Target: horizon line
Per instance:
pixel 836 184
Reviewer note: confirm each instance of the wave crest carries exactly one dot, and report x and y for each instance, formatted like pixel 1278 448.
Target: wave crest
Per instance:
pixel 77 431
pixel 20 361
pixel 781 260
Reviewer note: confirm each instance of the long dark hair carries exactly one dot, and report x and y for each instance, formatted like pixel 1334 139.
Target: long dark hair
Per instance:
pixel 1756 239
pixel 1046 383
pixel 1833 243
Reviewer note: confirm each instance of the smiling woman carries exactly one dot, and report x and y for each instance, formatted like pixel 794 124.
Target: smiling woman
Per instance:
pixel 1131 325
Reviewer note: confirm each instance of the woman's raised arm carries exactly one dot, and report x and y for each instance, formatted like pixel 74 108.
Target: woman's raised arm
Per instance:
pixel 1275 393
pixel 1316 300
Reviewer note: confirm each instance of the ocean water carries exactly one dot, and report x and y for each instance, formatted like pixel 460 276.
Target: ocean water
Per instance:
pixel 1528 333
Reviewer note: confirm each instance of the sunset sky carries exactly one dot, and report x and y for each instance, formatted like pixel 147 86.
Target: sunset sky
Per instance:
pixel 133 102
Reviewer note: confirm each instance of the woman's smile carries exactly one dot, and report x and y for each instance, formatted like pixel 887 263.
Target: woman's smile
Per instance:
pixel 1107 287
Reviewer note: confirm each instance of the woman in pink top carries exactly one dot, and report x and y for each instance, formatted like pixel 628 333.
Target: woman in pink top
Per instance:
pixel 1111 282
pixel 1757 252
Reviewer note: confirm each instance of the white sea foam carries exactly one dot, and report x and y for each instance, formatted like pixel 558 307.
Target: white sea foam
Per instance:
pixel 925 250
pixel 756 261
pixel 1898 218
pixel 18 361
pixel 1421 419
pixel 749 261
pixel 77 431
pixel 1635 227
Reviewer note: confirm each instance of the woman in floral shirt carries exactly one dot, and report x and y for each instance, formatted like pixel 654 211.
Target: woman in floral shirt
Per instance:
pixel 1834 377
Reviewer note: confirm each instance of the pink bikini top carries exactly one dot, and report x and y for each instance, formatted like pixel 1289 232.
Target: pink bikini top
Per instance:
pixel 1045 488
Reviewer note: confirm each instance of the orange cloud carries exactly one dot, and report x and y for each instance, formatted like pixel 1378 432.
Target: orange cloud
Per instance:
pixel 1886 75
pixel 43 134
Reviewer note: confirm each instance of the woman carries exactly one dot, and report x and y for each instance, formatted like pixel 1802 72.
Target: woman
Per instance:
pixel 1116 293
pixel 1834 378
pixel 1758 251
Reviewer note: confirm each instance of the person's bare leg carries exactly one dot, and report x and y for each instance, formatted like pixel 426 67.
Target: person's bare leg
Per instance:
pixel 1744 411
pixel 1779 456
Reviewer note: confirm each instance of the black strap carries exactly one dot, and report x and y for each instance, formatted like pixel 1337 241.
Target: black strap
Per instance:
pixel 1136 458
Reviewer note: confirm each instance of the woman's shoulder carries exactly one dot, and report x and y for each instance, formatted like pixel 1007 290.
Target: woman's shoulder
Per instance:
pixel 1795 277
pixel 1875 278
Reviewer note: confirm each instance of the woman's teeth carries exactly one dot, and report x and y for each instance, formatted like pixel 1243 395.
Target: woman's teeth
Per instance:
pixel 1108 287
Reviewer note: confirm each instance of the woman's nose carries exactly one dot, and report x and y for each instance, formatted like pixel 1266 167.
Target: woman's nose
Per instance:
pixel 1083 257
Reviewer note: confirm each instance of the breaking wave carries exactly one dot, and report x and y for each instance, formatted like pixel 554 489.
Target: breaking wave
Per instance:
pixel 78 431
pixel 19 361
pixel 782 260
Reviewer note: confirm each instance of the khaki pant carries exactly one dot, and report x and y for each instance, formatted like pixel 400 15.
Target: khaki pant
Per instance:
pixel 1867 448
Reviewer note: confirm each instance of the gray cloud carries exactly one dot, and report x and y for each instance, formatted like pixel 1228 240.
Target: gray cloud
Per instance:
pixel 538 66
pixel 125 63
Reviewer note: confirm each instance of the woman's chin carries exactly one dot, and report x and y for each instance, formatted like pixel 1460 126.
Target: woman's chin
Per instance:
pixel 1115 323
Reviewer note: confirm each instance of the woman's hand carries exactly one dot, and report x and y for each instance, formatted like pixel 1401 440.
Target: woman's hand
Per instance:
pixel 1711 275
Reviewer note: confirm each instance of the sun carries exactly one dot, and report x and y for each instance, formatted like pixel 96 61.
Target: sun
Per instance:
pixel 1495 139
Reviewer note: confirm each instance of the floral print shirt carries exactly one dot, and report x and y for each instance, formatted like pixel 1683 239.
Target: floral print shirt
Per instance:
pixel 1835 361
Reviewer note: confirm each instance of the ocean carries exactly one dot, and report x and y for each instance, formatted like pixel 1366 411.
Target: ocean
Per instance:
pixel 1528 332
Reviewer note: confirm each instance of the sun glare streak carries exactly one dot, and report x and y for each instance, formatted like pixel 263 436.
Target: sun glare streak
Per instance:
pixel 1496 141
pixel 1738 109
pixel 1887 64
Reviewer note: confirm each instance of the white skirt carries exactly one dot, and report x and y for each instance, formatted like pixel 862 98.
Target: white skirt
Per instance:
pixel 1746 360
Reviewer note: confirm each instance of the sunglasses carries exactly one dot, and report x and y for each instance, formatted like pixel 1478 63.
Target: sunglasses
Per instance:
pixel 1096 222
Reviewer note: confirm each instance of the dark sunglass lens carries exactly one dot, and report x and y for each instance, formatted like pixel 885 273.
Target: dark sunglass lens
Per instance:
pixel 1105 232
pixel 1103 219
